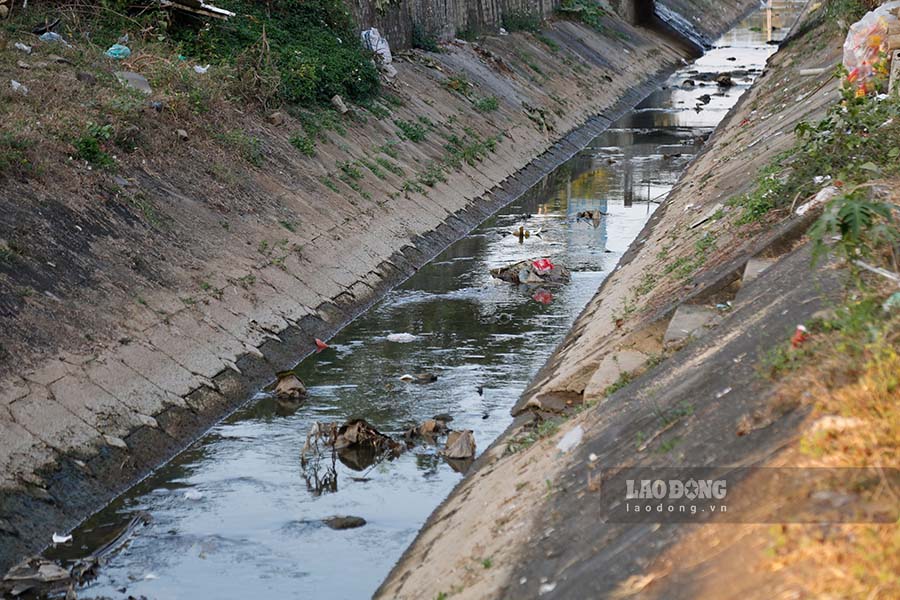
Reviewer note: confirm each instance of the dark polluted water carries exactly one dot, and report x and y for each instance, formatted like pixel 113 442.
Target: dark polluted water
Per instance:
pixel 237 516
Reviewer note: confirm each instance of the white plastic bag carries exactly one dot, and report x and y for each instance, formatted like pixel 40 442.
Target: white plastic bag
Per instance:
pixel 377 44
pixel 866 47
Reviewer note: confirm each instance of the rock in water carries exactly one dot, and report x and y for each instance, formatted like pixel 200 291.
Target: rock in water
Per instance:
pixel 460 444
pixel 340 522
pixel 289 386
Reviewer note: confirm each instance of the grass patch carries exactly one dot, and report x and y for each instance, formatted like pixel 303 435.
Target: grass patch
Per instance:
pixel 487 104
pixel 305 144
pixel 389 166
pixel 90 145
pixel 521 20
pixel 408 130
pixel 424 40
pixel 14 156
pixel 249 147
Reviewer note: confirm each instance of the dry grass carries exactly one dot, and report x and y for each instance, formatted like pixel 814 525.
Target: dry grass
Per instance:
pixel 851 372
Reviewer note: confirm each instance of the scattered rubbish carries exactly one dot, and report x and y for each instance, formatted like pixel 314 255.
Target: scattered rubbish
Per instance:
pixel 542 296
pixel 51 37
pixel 193 495
pixel 724 80
pixel 197 7
pixel 374 42
pixel 338 103
pixel 61 539
pixel 895 277
pixel 868 47
pixel 800 336
pixel 541 271
pixel 402 338
pixel 709 215
pixel 460 444
pixel 320 345
pixel 811 72
pixel 824 195
pixel 118 52
pixel 135 81
pixel 834 423
pixel 429 429
pixel 503 31
pixel 360 432
pixel 892 302
pixel 289 386
pixel 723 393
pixel 18 87
pixel 593 457
pixel 421 378
pixel 570 440
pixel 182 135
pixel 45 26
pixel 23 47
pixel 546 588
pixel 723 306
pixel 201 70
pixel 37 575
pixel 341 522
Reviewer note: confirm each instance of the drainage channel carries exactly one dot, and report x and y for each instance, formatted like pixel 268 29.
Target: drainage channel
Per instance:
pixel 237 515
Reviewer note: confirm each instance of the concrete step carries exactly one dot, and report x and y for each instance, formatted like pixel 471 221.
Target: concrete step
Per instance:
pixel 688 320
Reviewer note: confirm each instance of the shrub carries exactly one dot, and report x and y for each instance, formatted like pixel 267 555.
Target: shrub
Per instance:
pixel 311 45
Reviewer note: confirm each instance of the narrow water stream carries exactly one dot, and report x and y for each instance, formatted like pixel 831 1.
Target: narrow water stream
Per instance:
pixel 236 516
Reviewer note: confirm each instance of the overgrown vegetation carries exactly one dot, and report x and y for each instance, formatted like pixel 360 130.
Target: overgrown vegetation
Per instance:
pixel 589 12
pixel 855 143
pixel 308 50
pixel 14 155
pixel 424 40
pixel 521 20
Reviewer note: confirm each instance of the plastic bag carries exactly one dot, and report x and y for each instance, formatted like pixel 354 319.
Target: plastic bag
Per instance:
pixel 118 51
pixel 377 44
pixel 866 48
pixel 542 266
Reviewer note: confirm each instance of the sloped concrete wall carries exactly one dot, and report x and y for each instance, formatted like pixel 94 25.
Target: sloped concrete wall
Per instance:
pixel 447 19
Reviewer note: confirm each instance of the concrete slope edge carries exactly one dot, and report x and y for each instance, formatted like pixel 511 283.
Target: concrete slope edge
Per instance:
pixel 493 485
pixel 68 489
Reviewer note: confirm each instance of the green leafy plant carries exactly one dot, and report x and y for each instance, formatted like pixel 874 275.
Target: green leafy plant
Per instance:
pixel 486 104
pixel 89 146
pixel 857 223
pixel 414 132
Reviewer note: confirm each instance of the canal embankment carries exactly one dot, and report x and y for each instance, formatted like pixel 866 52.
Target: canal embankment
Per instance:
pixel 669 366
pixel 144 300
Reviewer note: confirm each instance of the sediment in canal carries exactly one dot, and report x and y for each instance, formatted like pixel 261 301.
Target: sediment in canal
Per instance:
pixel 161 296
